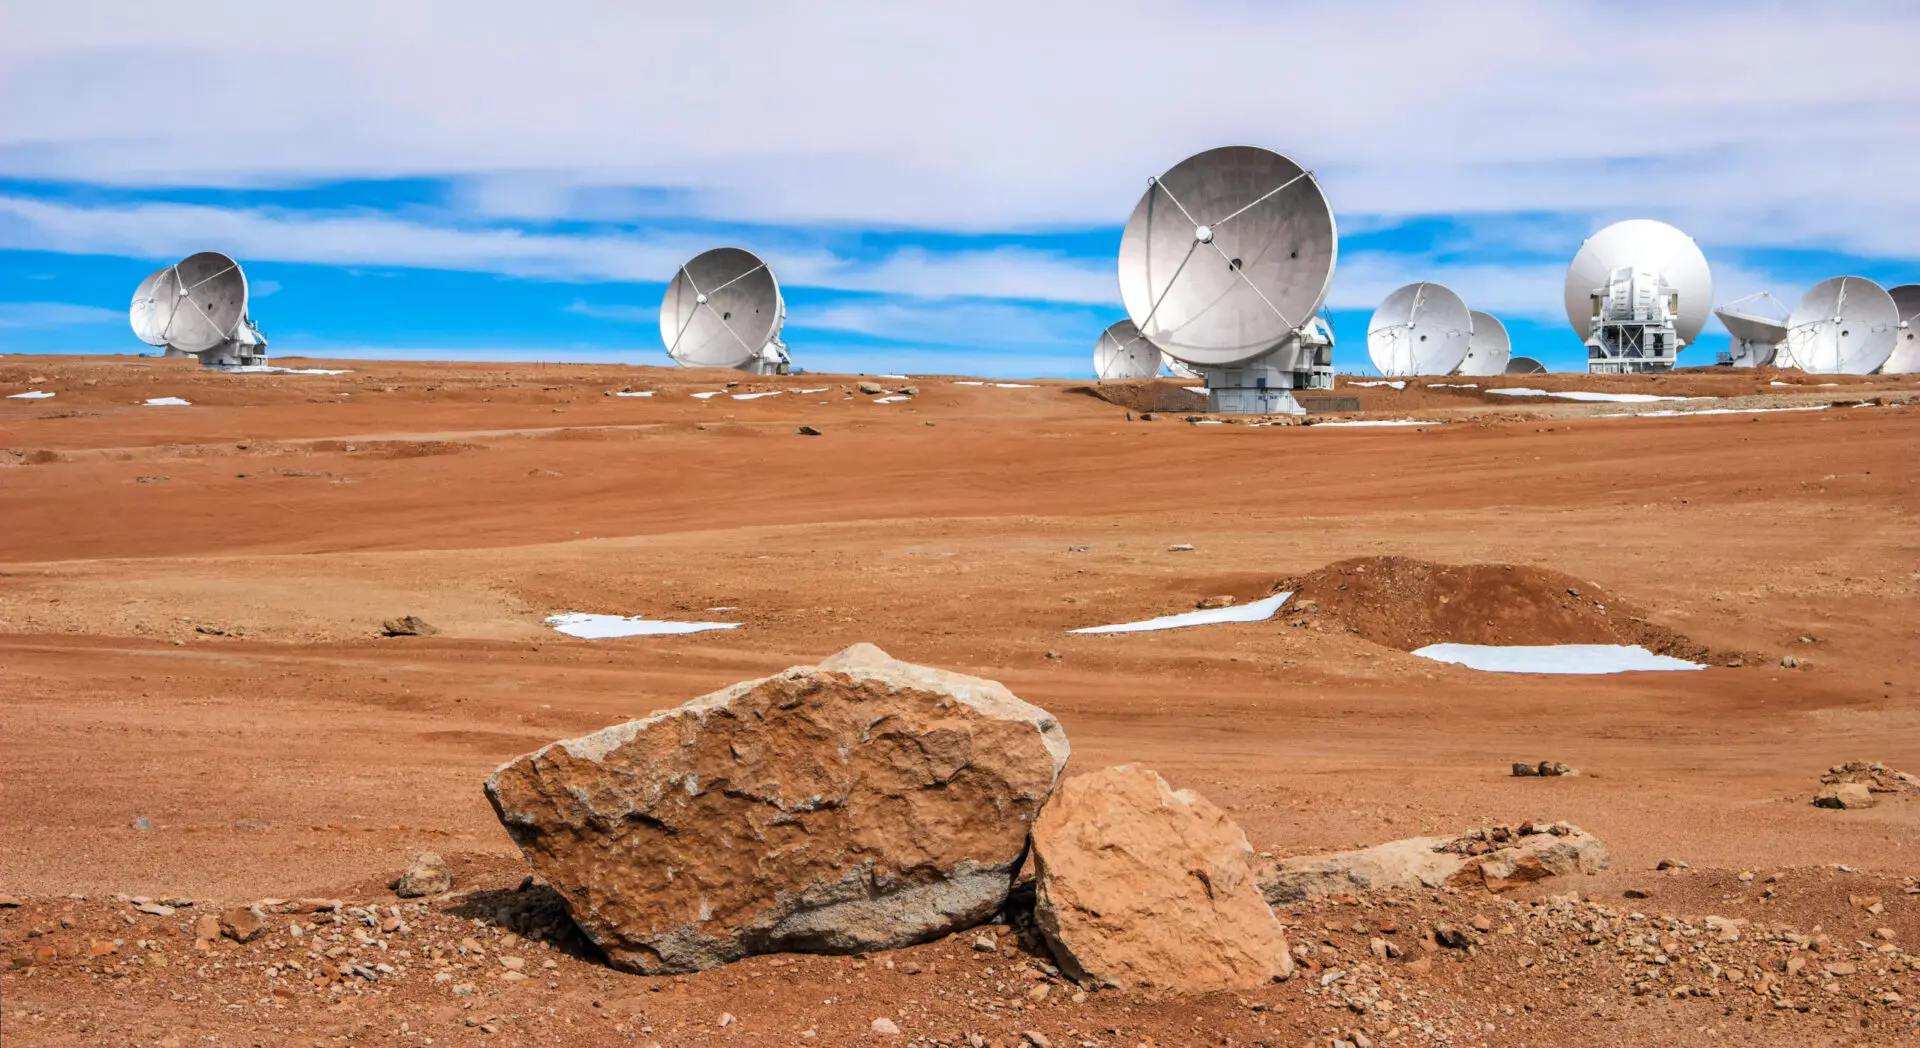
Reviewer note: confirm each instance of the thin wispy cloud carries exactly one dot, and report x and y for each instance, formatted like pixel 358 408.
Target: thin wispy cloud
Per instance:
pixel 30 315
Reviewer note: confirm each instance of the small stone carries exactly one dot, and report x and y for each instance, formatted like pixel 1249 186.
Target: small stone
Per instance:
pixel 1180 547
pixel 8 902
pixel 429 875
pixel 807 431
pixel 1224 600
pixel 142 823
pixel 1637 893
pixel 1079 549
pixel 727 1019
pixel 206 927
pixel 1523 769
pixel 1788 662
pixel 1844 795
pixel 241 924
pixel 1482 924
pixel 463 989
pixel 873 389
pixel 1672 864
pixel 408 626
pixel 884 1026
pixel 512 964
pixel 1036 1039
pixel 103 947
pixel 1885 934
pixel 985 943
pixel 1450 937
pixel 513 976
pixel 1039 992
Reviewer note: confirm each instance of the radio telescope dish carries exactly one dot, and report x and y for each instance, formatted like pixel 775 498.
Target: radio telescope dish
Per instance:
pixel 210 304
pixel 1420 329
pixel 1843 326
pixel 1905 359
pixel 1758 324
pixel 1177 368
pixel 1227 256
pixel 152 308
pixel 1524 366
pixel 724 310
pixel 1489 349
pixel 1636 293
pixel 1123 353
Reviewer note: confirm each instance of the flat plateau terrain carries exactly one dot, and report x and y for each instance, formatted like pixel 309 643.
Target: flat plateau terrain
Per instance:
pixel 191 609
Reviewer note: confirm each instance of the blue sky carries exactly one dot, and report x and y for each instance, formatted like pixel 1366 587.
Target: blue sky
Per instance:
pixel 937 192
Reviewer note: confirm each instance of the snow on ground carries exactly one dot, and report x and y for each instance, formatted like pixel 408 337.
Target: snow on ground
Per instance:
pixel 821 389
pixel 600 627
pixel 269 369
pixel 1554 658
pixel 890 400
pixel 1710 411
pixel 1258 611
pixel 1382 382
pixel 1376 422
pixel 964 382
pixel 1604 398
pixel 1202 390
pixel 902 378
pixel 1014 385
pixel 757 396
pixel 167 402
pixel 32 394
pixel 1453 385
pixel 708 395
pixel 628 393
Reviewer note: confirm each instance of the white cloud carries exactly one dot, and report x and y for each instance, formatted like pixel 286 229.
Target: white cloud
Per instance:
pixel 1001 114
pixel 38 315
pixel 365 238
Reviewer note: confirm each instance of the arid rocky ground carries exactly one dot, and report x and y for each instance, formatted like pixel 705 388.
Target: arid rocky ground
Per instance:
pixel 200 705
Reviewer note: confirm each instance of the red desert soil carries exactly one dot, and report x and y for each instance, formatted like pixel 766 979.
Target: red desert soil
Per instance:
pixel 191 601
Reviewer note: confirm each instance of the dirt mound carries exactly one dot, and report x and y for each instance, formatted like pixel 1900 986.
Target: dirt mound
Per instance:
pixel 1876 777
pixel 1405 603
pixel 1148 395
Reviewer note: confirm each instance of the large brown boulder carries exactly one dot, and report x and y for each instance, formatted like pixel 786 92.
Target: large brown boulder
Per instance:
pixel 1141 885
pixel 864 803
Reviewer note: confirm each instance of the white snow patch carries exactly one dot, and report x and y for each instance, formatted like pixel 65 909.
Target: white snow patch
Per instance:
pixel 757 396
pixel 1708 411
pixel 889 400
pixel 902 378
pixel 1014 385
pixel 1383 382
pixel 1377 422
pixel 1777 383
pixel 1202 390
pixel 1258 611
pixel 1604 398
pixel 726 608
pixel 964 382
pixel 1453 385
pixel 32 394
pixel 821 389
pixel 167 402
pixel 1554 658
pixel 708 396
pixel 1208 422
pixel 269 369
pixel 632 393
pixel 600 627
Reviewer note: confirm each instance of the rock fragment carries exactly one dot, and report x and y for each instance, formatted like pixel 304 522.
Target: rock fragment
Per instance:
pixel 861 804
pixel 241 924
pixel 1844 795
pixel 408 626
pixel 429 875
pixel 1140 885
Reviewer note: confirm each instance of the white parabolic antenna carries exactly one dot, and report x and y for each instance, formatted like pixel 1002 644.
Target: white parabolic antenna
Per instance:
pixel 1758 324
pixel 1177 368
pixel 1524 366
pixel 1843 326
pixel 209 302
pixel 1489 349
pixel 1122 352
pixel 1227 256
pixel 1420 329
pixel 1905 359
pixel 1642 244
pixel 152 308
pixel 724 310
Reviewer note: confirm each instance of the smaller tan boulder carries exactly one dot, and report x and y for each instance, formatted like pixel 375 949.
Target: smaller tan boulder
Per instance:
pixel 1142 885
pixel 429 875
pixel 241 924
pixel 1845 795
